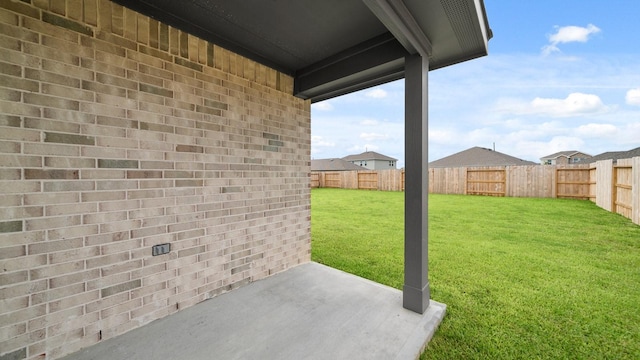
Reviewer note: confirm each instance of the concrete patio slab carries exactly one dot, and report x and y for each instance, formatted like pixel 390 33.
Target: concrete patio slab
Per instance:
pixel 308 312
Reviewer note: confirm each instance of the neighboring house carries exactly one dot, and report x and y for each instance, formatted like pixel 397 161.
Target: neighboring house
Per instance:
pixel 478 156
pixel 564 158
pixel 334 165
pixel 372 160
pixel 613 155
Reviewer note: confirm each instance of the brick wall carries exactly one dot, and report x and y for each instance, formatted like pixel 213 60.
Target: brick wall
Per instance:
pixel 118 133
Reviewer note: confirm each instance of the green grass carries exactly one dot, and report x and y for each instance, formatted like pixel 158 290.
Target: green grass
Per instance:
pixel 522 278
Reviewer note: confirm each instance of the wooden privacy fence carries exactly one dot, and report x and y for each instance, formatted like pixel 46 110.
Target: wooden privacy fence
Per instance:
pixel 561 181
pixel 614 188
pixel 385 180
pixel 573 183
pixel 492 182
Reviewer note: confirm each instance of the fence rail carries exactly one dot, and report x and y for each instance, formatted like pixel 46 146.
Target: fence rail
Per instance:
pixel 614 188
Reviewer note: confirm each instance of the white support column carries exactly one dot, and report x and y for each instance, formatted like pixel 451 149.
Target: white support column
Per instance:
pixel 416 283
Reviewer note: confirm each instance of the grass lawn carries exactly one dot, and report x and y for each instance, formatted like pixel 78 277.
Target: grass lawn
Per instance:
pixel 522 278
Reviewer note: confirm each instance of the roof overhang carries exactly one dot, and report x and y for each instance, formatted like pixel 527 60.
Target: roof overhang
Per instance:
pixel 333 47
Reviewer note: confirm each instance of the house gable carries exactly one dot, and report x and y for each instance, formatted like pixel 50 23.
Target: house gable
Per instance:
pixel 564 157
pixel 334 165
pixel 372 160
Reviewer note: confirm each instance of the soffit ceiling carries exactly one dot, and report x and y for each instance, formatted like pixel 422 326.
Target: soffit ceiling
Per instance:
pixel 332 47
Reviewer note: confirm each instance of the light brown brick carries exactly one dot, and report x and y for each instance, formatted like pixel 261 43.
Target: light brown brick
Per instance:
pixel 71 232
pixel 79 277
pixel 44 124
pixel 13 331
pixel 120 226
pixel 51 222
pixel 67 150
pixel 9 18
pixel 12 187
pixel 56 270
pixel 54 137
pixel 20 134
pixel 123 267
pixel 20 212
pixel 51 174
pixel 66 162
pixel 104 217
pixel 17 290
pixel 11 200
pixel 116 101
pixel 75 300
pixel 51 198
pixel 102 174
pixel 67 92
pixel 13 278
pixel 71 209
pixel 107 73
pixel 103 196
pixel 102 109
pixel 120 246
pixel 120 288
pixel 24 314
pixel 23 262
pixel 54 294
pixel 77 185
pixel 98 152
pixel 54 246
pixel 70 255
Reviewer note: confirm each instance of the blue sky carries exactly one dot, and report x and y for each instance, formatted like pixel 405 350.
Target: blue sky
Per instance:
pixel 560 75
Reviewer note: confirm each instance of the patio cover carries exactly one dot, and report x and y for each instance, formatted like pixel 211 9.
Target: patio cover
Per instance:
pixel 333 47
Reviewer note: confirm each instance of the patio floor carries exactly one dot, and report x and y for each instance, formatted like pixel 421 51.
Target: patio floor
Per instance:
pixel 308 312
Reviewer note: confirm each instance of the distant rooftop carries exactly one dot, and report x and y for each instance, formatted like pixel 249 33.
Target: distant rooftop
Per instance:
pixel 478 156
pixel 612 155
pixel 334 165
pixel 368 155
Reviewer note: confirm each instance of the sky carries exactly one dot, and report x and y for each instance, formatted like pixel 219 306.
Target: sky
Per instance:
pixel 560 75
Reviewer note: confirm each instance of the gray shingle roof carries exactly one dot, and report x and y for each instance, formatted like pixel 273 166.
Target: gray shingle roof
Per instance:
pixel 567 154
pixel 478 156
pixel 334 165
pixel 368 155
pixel 613 155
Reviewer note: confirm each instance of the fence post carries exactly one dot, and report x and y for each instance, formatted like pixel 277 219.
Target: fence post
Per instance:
pixel 614 189
pixel 635 191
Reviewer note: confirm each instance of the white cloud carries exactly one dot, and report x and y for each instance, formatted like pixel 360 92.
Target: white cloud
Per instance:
pixel 369 122
pixel 567 34
pixel 597 130
pixel 322 106
pixel 534 150
pixel 318 141
pixel 633 97
pixel 377 93
pixel 356 149
pixel 573 104
pixel 373 136
pixel 442 136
